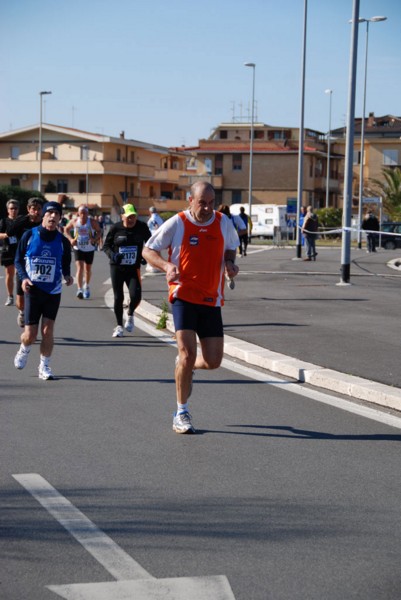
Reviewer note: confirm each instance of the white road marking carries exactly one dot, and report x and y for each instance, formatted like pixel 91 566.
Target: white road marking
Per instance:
pixel 117 562
pixel 133 581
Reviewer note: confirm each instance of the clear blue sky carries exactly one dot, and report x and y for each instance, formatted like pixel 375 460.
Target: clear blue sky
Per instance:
pixel 169 71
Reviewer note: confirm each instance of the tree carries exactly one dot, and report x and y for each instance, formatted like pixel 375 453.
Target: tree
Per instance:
pixel 16 193
pixel 390 191
pixel 330 218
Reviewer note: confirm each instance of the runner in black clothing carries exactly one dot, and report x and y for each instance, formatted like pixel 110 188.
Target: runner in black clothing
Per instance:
pixel 22 224
pixel 123 245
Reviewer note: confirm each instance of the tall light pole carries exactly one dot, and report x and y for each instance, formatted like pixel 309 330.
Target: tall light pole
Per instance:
pixel 330 92
pixel 86 149
pixel 41 94
pixel 252 65
pixel 349 151
pixel 367 21
pixel 300 182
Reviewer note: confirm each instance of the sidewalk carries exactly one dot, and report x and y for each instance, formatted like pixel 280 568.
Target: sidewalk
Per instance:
pixel 294 319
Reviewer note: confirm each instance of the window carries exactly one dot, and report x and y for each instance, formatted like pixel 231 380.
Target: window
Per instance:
pixel 15 152
pixel 223 134
pixel 357 157
pixel 118 154
pixel 237 162
pixel 236 197
pixel 15 182
pixel 390 157
pixel 208 165
pixel 62 186
pixel 82 186
pixel 258 135
pixel 132 156
pixel 84 153
pixel 218 165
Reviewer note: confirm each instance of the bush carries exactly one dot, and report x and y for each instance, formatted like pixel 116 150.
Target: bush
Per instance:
pixel 9 191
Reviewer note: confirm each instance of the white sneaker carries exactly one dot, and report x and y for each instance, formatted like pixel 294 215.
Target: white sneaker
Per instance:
pixel 87 292
pixel 118 331
pixel 45 372
pixel 182 423
pixel 129 323
pixel 21 359
pixel 9 301
pixel 80 294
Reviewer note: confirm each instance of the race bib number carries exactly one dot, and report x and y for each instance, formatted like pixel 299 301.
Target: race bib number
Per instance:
pixel 83 242
pixel 129 254
pixel 43 269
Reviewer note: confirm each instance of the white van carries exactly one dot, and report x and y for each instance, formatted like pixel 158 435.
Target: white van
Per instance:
pixel 265 218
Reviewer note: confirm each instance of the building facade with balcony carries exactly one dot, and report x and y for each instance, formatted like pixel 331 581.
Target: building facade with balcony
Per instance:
pixel 224 159
pixel 88 168
pixel 382 150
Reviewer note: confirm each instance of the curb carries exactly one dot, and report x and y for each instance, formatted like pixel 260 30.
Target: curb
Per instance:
pixel 320 377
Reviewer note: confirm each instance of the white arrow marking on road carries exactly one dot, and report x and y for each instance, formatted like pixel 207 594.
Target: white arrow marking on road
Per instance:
pixel 132 579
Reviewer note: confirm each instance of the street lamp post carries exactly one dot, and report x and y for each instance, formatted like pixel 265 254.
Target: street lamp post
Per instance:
pixel 367 21
pixel 330 92
pixel 300 178
pixel 41 94
pixel 252 65
pixel 86 149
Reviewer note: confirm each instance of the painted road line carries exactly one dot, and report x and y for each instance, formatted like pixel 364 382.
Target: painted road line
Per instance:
pixel 184 588
pixel 133 581
pixel 117 562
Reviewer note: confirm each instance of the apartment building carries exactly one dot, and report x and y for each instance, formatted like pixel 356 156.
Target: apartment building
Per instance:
pixel 224 158
pixel 101 171
pixel 382 149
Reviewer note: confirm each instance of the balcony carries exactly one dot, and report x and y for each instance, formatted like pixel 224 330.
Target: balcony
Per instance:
pixel 168 175
pixel 187 180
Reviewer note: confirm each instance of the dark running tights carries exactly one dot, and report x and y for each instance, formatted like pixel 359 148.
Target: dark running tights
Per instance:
pixel 130 278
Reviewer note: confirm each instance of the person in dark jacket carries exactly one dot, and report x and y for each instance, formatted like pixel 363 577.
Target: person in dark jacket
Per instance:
pixel 9 248
pixel 371 224
pixel 309 229
pixel 21 224
pixel 123 245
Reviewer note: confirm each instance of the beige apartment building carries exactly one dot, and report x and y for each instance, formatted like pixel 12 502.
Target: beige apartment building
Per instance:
pixel 224 158
pixel 98 170
pixel 382 150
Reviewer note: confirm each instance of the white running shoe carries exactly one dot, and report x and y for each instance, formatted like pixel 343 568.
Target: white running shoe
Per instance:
pixel 45 372
pixel 9 301
pixel 118 331
pixel 80 294
pixel 129 323
pixel 182 423
pixel 87 292
pixel 21 359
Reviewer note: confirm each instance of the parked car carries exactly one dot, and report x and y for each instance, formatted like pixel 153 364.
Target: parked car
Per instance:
pixel 391 242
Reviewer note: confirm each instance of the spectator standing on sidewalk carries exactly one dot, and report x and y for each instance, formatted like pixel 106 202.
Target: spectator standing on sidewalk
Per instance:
pixel 244 237
pixel 43 258
pixel 202 245
pixel 371 225
pixel 309 229
pixel 123 245
pixel 9 248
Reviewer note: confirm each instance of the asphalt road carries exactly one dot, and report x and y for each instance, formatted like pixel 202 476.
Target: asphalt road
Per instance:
pixel 285 496
pixel 298 309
